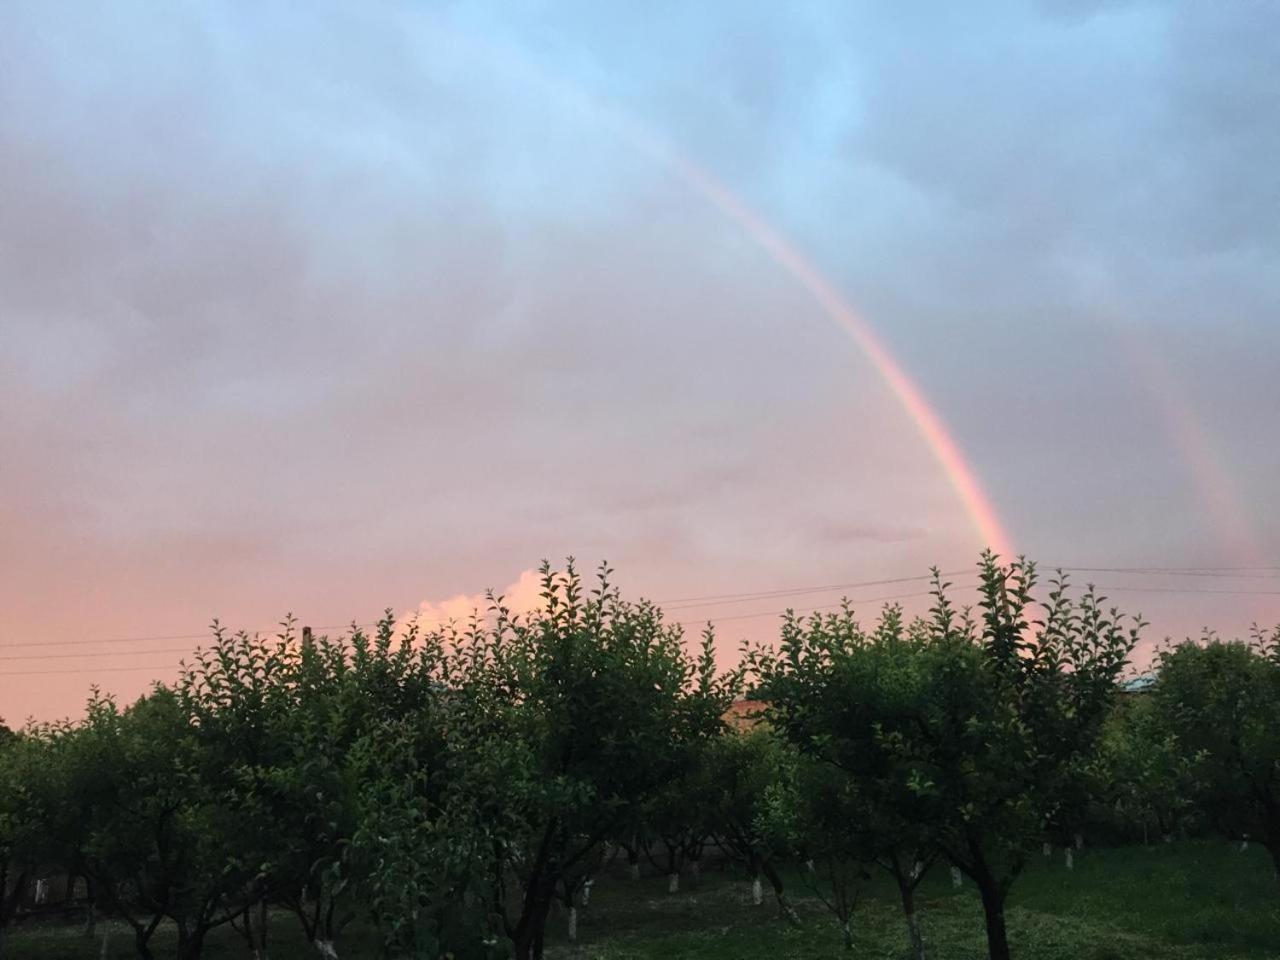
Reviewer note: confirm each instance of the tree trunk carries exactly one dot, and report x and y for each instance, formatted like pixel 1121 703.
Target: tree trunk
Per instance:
pixel 993 910
pixel 573 924
pixel 141 944
pixel 90 907
pixel 531 932
pixel 261 952
pixel 957 878
pixel 908 894
pixel 916 936
pixel 848 936
pixel 775 880
pixel 1273 847
pixel 673 883
pixel 190 943
pixel 255 930
pixel 326 949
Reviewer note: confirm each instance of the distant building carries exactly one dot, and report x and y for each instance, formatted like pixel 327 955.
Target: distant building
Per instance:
pixel 743 715
pixel 1139 684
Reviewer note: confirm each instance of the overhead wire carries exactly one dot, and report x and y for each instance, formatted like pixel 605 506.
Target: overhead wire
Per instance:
pixel 684 604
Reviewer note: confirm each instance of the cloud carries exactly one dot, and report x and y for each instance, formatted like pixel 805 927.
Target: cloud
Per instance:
pixel 306 308
pixel 522 596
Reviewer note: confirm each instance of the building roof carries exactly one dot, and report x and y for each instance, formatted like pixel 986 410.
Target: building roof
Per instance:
pixel 743 715
pixel 1139 684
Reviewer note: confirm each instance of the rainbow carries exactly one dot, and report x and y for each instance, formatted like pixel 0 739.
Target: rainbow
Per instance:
pixel 1217 489
pixel 926 418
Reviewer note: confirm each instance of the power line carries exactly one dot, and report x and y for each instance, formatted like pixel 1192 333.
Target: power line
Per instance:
pixel 1189 590
pixel 177 636
pixel 778 613
pixel 1219 572
pixel 706 600
pixel 105 653
pixel 139 666
pixel 719 598
pixel 723 598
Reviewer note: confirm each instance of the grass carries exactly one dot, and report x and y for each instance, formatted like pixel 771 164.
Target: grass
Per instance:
pixel 1196 900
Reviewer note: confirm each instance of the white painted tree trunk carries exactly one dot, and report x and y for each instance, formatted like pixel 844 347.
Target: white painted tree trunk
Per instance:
pixel 1071 863
pixel 573 924
pixel 957 878
pixel 106 944
pixel 1079 841
pixel 586 892
pixel 673 883
pixel 917 868
pixel 635 871
pixel 1046 849
pixel 327 949
pixel 810 866
pixel 1244 845
pixel 757 891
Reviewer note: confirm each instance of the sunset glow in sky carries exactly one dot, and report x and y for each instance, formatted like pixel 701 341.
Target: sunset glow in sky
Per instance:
pixel 334 308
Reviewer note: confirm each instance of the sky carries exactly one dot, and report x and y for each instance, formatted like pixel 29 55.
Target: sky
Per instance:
pixel 327 309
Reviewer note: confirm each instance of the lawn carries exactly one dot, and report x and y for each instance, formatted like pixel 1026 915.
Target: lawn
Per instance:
pixel 1187 900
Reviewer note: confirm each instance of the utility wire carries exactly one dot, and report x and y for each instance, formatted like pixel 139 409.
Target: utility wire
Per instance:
pixel 1224 573
pixel 177 636
pixel 139 666
pixel 1189 590
pixel 825 606
pixel 718 598
pixel 104 653
pixel 686 603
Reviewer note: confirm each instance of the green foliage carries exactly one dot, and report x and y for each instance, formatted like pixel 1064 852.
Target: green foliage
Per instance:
pixel 1220 702
pixel 24 842
pixel 419 847
pixel 434 793
pixel 603 699
pixel 351 771
pixel 156 821
pixel 971 736
pixel 748 771
pixel 1141 781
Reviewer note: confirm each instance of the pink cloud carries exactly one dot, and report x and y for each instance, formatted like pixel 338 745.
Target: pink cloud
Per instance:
pixel 521 596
